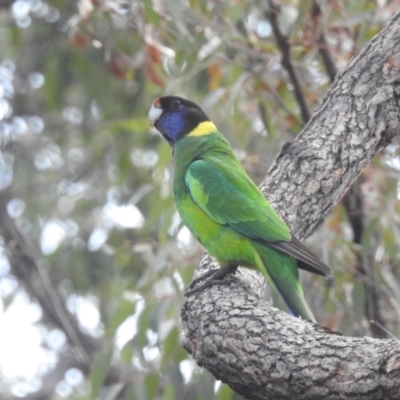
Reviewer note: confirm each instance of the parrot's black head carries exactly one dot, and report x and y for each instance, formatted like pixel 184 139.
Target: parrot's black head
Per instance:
pixel 175 117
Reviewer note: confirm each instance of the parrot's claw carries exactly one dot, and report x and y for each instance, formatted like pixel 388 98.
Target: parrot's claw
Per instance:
pixel 215 277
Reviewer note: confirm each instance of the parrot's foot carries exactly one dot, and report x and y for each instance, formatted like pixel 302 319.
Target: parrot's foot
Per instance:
pixel 215 277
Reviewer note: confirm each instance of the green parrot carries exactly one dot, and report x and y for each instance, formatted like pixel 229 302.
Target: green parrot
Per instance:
pixel 225 210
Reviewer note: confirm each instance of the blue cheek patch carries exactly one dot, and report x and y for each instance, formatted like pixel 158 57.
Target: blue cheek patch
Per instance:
pixel 172 125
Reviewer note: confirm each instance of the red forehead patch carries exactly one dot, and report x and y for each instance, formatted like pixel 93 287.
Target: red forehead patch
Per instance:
pixel 157 103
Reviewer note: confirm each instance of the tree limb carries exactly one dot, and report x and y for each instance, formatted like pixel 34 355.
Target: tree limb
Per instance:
pixel 263 353
pixel 259 351
pixel 353 203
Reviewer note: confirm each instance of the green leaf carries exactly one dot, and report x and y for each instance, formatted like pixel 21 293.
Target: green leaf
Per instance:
pixel 224 393
pixel 124 311
pixel 99 372
pixel 127 353
pixel 151 383
pixel 51 87
pixel 169 392
pixel 170 345
pixel 150 13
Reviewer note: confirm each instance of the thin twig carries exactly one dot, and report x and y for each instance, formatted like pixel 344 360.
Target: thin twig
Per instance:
pixel 323 48
pixel 284 47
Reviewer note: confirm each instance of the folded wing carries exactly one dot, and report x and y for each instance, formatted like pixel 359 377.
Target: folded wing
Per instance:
pixel 230 197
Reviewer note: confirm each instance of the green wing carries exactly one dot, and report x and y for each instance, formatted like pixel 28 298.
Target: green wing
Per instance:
pixel 223 190
pixel 226 193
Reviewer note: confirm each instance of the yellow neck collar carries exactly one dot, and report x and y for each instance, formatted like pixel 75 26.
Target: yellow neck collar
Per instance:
pixel 204 128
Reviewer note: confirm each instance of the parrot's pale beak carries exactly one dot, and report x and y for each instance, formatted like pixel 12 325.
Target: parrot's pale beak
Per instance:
pixel 155 112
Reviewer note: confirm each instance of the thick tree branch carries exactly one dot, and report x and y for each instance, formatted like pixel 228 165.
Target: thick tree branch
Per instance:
pixel 353 201
pixel 238 336
pixel 263 353
pixel 359 116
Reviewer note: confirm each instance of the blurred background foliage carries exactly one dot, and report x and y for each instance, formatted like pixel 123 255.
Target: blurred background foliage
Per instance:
pixel 94 258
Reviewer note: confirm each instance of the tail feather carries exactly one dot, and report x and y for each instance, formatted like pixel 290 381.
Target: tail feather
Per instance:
pixel 307 260
pixel 295 301
pixel 281 272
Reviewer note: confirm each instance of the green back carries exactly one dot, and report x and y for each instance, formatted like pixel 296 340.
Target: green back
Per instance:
pixel 207 168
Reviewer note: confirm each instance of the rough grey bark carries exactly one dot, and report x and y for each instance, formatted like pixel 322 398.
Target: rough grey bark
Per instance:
pixel 261 352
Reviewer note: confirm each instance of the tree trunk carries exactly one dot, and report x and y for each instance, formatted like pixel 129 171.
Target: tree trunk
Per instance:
pixel 231 330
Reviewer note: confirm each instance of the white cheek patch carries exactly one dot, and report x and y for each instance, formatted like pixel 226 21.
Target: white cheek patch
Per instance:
pixel 154 113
